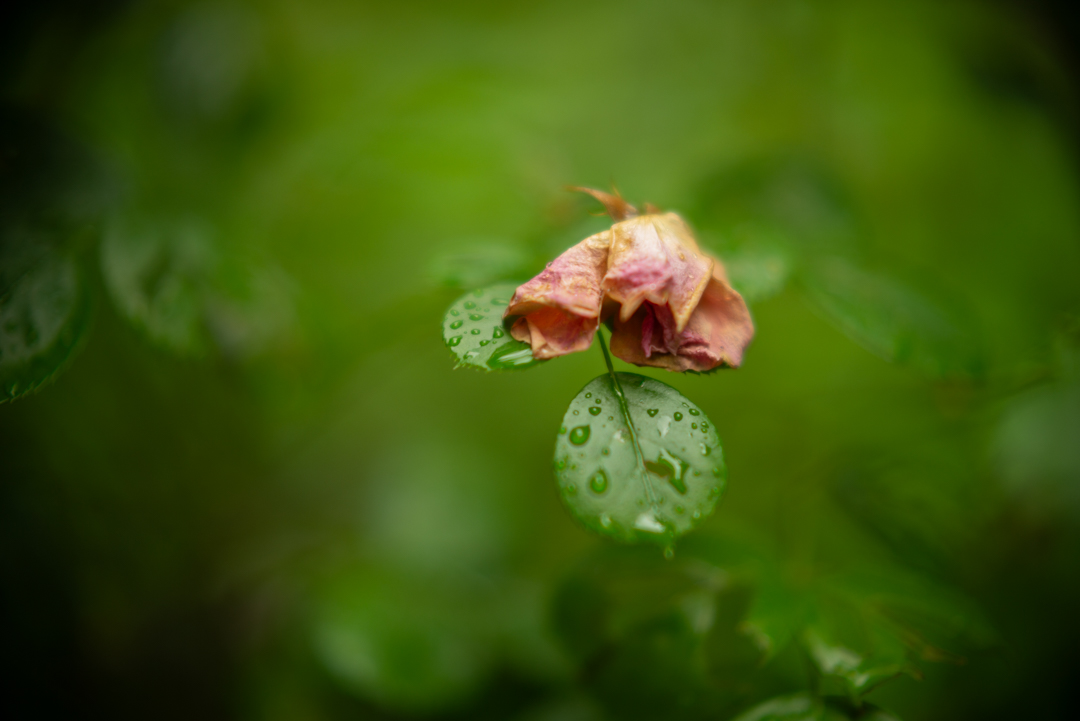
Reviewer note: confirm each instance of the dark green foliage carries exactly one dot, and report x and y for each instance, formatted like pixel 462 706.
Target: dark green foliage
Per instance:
pixel 650 477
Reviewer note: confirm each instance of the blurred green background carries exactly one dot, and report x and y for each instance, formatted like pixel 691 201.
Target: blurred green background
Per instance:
pixel 248 483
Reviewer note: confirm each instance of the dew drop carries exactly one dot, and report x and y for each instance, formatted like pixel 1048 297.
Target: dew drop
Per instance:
pixel 577 412
pixel 678 416
pixel 579 436
pixel 475 316
pixel 588 395
pixel 599 482
pixel 454 341
pixel 560 464
pixel 562 430
pixel 498 301
pixel 484 343
pixel 469 305
pixel 705 449
pixel 717 472
pixel 695 412
pixel 693 425
pixel 454 312
pixel 648 522
pixel 456 324
pixel 594 411
pixel 696 515
pixel 652 412
pixel 475 331
pixel 497 333
pixel 605 451
pixel 605 520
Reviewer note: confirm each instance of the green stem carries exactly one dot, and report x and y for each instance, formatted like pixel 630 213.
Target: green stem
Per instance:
pixel 624 405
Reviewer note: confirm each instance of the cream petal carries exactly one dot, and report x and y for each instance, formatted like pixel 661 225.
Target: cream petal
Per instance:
pixel 560 308
pixel 655 258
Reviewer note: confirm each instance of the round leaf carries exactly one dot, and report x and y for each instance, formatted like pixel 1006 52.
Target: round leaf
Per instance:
pixel 44 315
pixel 475 333
pixel 652 479
pixel 896 321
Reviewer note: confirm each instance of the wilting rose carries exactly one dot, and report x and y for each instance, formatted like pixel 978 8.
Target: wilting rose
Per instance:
pixel 669 303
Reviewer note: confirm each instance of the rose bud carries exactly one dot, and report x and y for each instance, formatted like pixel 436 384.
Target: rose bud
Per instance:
pixel 669 304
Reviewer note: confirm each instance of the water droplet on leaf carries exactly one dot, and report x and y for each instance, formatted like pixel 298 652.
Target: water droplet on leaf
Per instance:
pixel 594 410
pixel 599 481
pixel 580 435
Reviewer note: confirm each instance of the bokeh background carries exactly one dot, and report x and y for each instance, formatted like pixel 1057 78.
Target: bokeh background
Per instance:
pixel 252 486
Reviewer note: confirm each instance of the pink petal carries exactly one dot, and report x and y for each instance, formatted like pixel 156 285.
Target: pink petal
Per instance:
pixel 560 308
pixel 717 333
pixel 654 258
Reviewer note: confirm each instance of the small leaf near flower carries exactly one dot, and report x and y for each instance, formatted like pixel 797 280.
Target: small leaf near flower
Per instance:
pixel 474 332
pixel 651 479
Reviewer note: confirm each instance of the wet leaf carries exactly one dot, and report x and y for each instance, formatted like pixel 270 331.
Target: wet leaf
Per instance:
pixel 650 479
pixel 44 315
pixel 895 320
pixel 475 333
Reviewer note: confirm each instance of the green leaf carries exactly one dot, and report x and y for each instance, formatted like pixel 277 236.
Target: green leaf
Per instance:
pixel 656 638
pixel 170 277
pixel 409 646
pixel 894 320
pixel 647 469
pixel 44 315
pixel 156 271
pixel 804 707
pixel 475 333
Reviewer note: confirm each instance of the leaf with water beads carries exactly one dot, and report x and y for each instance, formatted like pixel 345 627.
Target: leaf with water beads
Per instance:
pixel 475 333
pixel 650 479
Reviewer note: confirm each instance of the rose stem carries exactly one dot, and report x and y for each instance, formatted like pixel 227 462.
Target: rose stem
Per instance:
pixel 625 407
